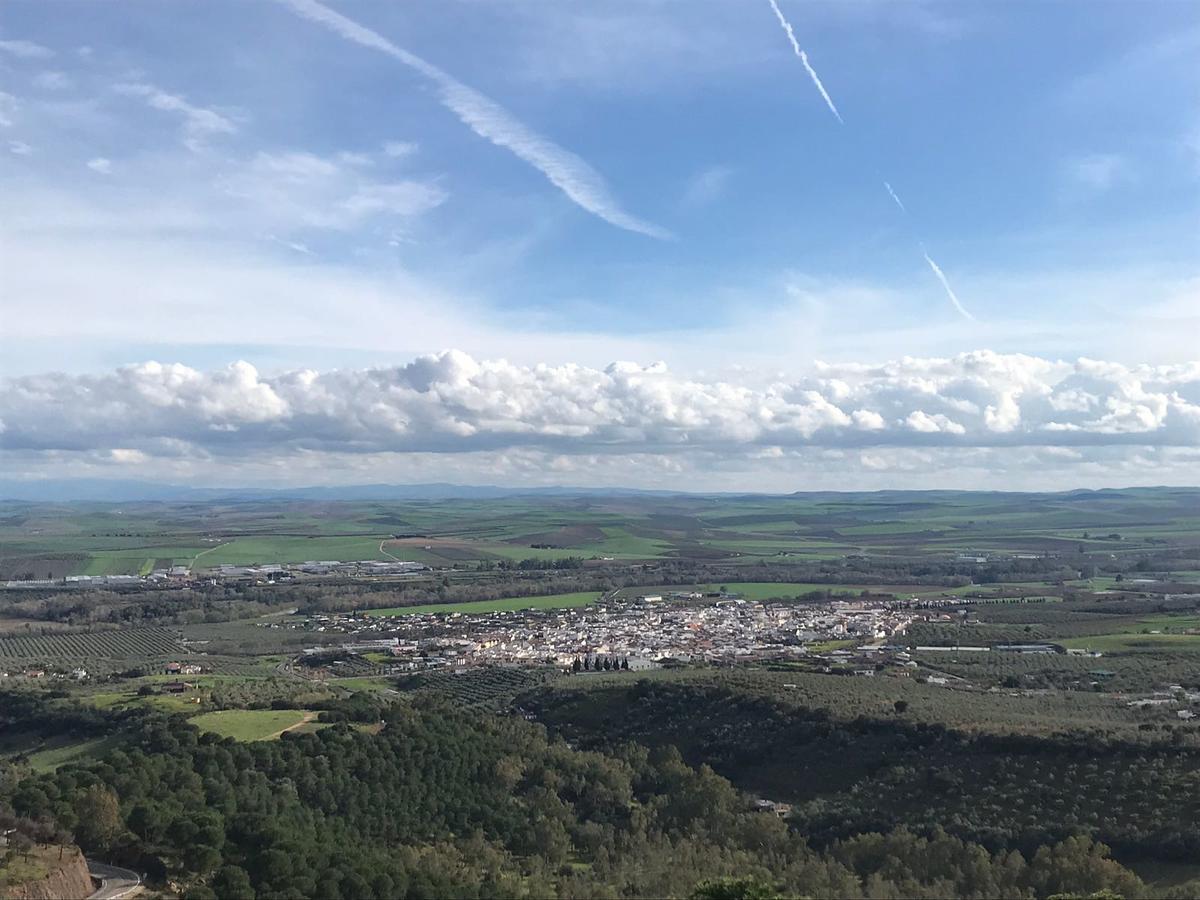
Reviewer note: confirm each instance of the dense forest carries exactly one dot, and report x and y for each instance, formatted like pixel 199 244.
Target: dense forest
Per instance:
pixel 1007 786
pixel 441 802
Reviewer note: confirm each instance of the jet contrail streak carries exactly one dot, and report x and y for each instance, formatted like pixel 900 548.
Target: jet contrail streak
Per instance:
pixel 937 270
pixel 812 73
pixel 566 171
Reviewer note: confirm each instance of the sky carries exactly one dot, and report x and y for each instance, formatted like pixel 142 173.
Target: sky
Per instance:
pixel 703 245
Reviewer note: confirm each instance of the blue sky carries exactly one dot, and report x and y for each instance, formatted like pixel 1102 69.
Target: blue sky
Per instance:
pixel 203 183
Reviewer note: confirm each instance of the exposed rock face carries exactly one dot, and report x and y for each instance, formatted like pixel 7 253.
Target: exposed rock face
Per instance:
pixel 67 879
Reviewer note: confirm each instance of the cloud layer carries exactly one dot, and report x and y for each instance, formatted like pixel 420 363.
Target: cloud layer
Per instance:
pixel 452 403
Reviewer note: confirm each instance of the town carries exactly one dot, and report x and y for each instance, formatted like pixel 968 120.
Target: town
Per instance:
pixel 646 630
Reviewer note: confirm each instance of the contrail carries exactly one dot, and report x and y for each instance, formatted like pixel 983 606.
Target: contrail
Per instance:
pixel 937 270
pixel 894 197
pixel 812 73
pixel 566 171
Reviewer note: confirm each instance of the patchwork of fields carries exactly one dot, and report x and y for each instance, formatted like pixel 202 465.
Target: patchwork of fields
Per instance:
pixel 51 540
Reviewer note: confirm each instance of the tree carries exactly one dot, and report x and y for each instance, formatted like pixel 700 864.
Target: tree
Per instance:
pixel 232 883
pixel 99 816
pixel 201 858
pixel 576 665
pixel 147 821
pixel 900 706
pixel 734 889
pixel 20 843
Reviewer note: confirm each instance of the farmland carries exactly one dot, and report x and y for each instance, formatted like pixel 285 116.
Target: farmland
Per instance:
pixel 486 688
pixel 131 644
pixel 40 540
pixel 820 667
pixel 761 590
pixel 509 604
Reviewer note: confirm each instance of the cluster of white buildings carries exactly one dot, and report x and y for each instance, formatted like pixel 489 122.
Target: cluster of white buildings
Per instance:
pixel 642 631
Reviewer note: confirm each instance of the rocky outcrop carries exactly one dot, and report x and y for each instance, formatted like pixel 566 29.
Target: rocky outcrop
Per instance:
pixel 65 879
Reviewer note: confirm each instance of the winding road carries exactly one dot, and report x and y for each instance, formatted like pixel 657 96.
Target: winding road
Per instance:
pixel 115 882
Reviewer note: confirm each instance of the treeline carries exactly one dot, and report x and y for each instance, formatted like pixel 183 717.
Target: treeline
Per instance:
pixel 443 803
pixel 847 776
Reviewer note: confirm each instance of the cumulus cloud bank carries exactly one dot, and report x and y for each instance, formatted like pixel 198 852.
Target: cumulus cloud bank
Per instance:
pixel 452 403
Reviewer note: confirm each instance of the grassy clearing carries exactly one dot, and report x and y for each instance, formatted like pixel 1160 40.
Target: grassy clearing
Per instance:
pixel 830 646
pixel 252 724
pixel 1116 643
pixel 378 684
pixel 50 758
pixel 185 702
pixel 509 604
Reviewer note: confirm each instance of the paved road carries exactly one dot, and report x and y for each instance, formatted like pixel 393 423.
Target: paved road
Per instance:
pixel 115 882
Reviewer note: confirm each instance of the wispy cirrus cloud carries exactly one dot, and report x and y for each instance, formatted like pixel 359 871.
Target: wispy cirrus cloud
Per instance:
pixel 1099 171
pixel 52 80
pixel 25 49
pixel 199 123
pixel 8 109
pixel 487 118
pixel 309 191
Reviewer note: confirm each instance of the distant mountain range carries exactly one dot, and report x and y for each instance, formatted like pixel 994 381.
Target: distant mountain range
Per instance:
pixel 105 490
pixel 127 491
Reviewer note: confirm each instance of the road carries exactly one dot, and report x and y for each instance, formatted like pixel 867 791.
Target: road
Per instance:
pixel 115 882
pixel 192 566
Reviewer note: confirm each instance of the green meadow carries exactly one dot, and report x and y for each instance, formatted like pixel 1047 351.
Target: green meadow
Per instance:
pixel 252 724
pixel 509 604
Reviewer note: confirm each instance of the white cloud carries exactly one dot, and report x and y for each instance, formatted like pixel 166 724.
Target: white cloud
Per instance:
pixel 452 403
pixel 562 168
pixel 19 148
pixel 26 49
pixel 400 149
pixel 100 165
pixel 300 189
pixel 126 456
pixel 707 186
pixel 1099 171
pixel 199 123
pixel 8 107
pixel 52 81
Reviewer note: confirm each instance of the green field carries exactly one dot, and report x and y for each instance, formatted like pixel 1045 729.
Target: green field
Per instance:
pixel 251 724
pixel 1130 642
pixel 129 538
pixel 50 758
pixel 509 604
pixel 767 590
